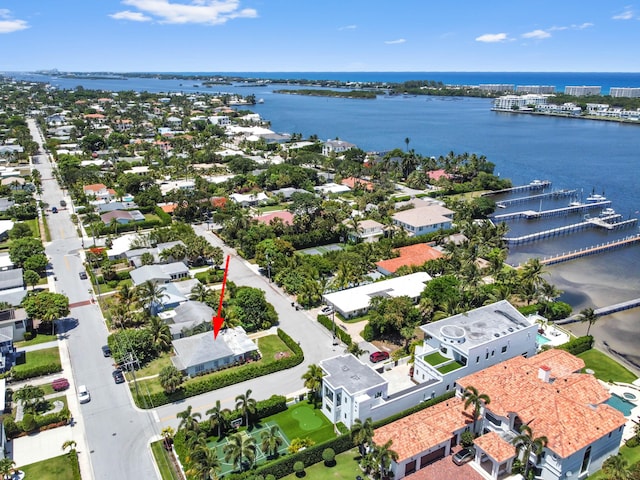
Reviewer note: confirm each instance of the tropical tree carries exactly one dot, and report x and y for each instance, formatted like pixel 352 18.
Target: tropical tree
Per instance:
pixel 238 448
pixel 200 293
pixel 270 441
pixel 478 400
pixel 150 294
pixel 313 381
pixel 170 379
pixel 189 421
pixel 6 467
pixel 70 444
pixel 246 405
pixel 203 463
pixel 160 333
pixel 588 315
pixel 383 456
pixel 362 434
pixel 218 417
pixel 527 444
pixel 167 437
pixel 615 467
pixel 30 396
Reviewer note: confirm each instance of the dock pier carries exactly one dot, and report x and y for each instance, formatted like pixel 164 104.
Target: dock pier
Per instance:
pixel 556 212
pixel 535 185
pixel 601 312
pixel 592 250
pixel 540 196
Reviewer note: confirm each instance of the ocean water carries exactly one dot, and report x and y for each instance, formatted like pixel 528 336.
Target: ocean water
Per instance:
pixel 575 154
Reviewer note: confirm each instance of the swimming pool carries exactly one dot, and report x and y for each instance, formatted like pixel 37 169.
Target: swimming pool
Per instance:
pixel 620 404
pixel 541 339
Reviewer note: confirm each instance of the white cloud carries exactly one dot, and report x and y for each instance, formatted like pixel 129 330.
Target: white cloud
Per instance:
pixel 395 42
pixel 10 26
pixel 492 38
pixel 129 15
pixel 582 26
pixel 207 12
pixel 626 14
pixel 537 34
pixel 348 27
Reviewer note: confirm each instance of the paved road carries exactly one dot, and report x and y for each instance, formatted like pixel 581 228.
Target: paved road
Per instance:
pixel 117 433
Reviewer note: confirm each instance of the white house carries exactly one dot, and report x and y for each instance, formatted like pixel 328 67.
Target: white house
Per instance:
pixel 336 146
pixel 355 301
pixel 249 199
pixel 422 220
pixel 368 231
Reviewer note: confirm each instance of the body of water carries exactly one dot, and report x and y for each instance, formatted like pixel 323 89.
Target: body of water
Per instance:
pixel 576 154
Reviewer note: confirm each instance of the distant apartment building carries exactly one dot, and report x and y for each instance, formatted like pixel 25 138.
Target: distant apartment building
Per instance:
pixel 630 92
pixel 496 87
pixel 583 90
pixel 539 89
pixel 518 102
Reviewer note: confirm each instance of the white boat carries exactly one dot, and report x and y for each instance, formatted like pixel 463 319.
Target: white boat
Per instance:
pixel 596 197
pixel 536 183
pixel 607 212
pixel 501 205
pixel 261 100
pixel 575 204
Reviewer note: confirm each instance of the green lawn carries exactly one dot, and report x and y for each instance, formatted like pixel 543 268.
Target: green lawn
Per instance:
pixel 39 358
pixel 57 468
pixel 302 421
pixel 152 368
pixel 270 346
pixel 435 358
pixel 449 367
pixel 606 368
pixel 37 340
pixel 163 461
pixel 631 455
pixel 346 468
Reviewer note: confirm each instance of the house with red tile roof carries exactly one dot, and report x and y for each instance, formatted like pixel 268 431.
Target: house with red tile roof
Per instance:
pixel 99 191
pixel 284 216
pixel 436 175
pixel 354 183
pixel 411 256
pixel 547 393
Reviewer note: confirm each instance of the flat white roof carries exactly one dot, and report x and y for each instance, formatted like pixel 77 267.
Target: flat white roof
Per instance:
pixel 358 298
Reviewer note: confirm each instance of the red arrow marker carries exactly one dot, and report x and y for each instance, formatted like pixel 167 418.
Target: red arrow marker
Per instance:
pixel 218 320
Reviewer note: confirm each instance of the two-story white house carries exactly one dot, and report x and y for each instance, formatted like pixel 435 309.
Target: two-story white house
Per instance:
pixel 368 231
pixel 422 220
pixel 336 146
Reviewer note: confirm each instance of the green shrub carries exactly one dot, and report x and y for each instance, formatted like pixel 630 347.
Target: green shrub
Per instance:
pixel 529 309
pixel 327 323
pixel 61 417
pixel 38 371
pixel 329 456
pixel 368 334
pixel 28 423
pixel 28 336
pixel 578 345
pixel 467 438
pixel 11 429
pixel 164 217
pixel 633 442
pixel 298 467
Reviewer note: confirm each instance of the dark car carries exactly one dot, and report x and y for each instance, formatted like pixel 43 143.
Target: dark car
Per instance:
pixel 63 203
pixel 106 351
pixel 83 275
pixel 118 376
pixel 54 210
pixel 465 455
pixel 376 357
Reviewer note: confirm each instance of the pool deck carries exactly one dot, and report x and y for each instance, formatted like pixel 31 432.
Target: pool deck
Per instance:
pixel 634 389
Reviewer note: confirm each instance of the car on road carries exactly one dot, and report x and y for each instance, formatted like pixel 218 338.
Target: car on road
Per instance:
pixel 326 310
pixel 83 275
pixel 118 376
pixel 463 456
pixel 106 351
pixel 83 394
pixel 376 357
pixel 63 203
pixel 54 209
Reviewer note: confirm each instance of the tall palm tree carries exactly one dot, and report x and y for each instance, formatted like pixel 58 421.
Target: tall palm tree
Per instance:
pixel 160 333
pixel 218 417
pixel 246 405
pixel 384 456
pixel 150 294
pixel 204 463
pixel 527 443
pixel 615 467
pixel 270 441
pixel 313 380
pixel 188 420
pixel 362 433
pixel 126 296
pixel 238 448
pixel 199 293
pixel 588 315
pixel 478 400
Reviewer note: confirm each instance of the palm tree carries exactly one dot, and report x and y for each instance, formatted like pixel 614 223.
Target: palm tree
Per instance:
pixel 6 467
pixel 204 463
pixel 167 436
pixel 189 421
pixel 199 293
pixel 30 396
pixel 588 315
pixel 406 141
pixel 313 380
pixel 384 456
pixel 150 294
pixel 270 441
pixel 615 467
pixel 246 405
pixel 478 400
pixel 126 296
pixel 362 433
pixel 160 333
pixel 218 417
pixel 70 444
pixel 238 448
pixel 527 443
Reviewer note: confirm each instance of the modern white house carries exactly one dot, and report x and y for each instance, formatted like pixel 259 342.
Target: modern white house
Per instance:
pixel 336 146
pixel 355 301
pixel 368 231
pixel 422 220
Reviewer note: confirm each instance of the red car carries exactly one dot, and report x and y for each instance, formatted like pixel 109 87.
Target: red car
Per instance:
pixel 376 357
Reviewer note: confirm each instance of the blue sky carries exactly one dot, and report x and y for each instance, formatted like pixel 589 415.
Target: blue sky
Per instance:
pixel 319 35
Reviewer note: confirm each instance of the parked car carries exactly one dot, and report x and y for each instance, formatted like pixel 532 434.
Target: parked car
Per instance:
pixel 83 275
pixel 118 376
pixel 83 394
pixel 106 351
pixel 63 203
pixel 54 209
pixel 326 310
pixel 465 455
pixel 376 357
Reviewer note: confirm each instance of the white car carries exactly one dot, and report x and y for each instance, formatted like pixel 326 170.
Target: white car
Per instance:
pixel 83 394
pixel 326 310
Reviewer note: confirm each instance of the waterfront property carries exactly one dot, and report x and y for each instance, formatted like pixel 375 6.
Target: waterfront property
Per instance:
pixel 411 256
pixel 424 219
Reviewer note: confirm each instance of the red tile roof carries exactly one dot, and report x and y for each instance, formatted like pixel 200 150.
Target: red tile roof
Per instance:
pixel 169 208
pixel 413 255
pixel 493 445
pixel 94 187
pixel 437 174
pixel 353 182
pixel 286 217
pixel 426 429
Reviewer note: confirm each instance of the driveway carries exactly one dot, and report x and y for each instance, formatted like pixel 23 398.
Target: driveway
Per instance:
pixel 445 469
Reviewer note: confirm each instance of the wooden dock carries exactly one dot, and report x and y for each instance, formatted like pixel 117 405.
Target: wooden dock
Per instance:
pixel 601 312
pixel 576 227
pixel 540 196
pixel 556 212
pixel 595 249
pixel 521 188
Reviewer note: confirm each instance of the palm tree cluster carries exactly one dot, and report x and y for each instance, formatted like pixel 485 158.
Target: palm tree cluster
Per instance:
pixel 374 458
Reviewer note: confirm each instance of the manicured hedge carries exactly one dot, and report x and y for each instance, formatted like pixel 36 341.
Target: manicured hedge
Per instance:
pixel 35 371
pixel 327 323
pixel 165 218
pixel 578 345
pixel 230 376
pixel 15 429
